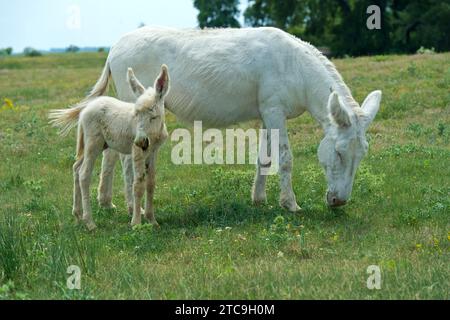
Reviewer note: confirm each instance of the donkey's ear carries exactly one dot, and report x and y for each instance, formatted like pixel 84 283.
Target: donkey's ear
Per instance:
pixel 370 107
pixel 337 112
pixel 162 82
pixel 137 88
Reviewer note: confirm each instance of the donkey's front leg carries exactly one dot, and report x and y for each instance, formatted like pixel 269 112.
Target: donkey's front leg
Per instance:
pixel 138 184
pixel 259 195
pixel 274 118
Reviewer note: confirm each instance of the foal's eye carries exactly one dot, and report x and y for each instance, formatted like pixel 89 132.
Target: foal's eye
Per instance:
pixel 154 118
pixel 339 155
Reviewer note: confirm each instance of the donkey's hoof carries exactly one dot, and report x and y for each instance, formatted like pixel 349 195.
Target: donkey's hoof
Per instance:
pixel 259 200
pixel 291 206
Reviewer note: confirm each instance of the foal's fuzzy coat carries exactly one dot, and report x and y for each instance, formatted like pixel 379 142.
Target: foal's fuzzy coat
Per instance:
pixel 137 129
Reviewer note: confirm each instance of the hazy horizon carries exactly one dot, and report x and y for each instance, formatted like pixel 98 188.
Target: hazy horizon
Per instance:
pixel 51 24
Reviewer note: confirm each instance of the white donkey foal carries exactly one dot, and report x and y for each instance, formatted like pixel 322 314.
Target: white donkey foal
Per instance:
pixel 137 129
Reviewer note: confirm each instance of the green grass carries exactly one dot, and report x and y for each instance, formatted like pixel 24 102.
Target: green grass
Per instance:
pixel 212 242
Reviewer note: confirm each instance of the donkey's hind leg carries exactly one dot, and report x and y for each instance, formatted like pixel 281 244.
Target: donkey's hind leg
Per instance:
pixel 93 148
pixel 77 210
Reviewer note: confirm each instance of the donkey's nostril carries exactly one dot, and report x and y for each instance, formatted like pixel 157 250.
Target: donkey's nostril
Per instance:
pixel 334 201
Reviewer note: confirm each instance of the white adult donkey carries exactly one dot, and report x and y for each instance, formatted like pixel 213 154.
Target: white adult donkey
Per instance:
pixel 226 76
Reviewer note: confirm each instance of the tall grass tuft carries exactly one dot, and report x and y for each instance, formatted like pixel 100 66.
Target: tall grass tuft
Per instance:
pixel 12 244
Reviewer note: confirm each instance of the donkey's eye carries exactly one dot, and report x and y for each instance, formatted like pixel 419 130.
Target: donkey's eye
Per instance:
pixel 339 155
pixel 154 118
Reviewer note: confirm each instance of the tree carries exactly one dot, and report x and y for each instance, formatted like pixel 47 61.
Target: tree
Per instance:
pixel 406 25
pixel 217 13
pixel 72 49
pixel 30 52
pixel 422 23
pixel 6 51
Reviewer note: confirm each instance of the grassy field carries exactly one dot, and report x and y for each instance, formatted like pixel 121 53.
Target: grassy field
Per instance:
pixel 212 242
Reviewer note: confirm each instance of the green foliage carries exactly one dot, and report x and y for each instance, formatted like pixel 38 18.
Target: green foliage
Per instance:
pixel 72 49
pixel 6 51
pixel 217 13
pixel 406 26
pixel 30 52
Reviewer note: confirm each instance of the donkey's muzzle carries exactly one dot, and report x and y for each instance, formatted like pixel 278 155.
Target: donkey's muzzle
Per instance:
pixel 334 201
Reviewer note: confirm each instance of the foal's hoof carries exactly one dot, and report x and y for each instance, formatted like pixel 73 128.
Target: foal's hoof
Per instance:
pixel 78 216
pixel 108 206
pixel 155 224
pixel 90 225
pixel 130 211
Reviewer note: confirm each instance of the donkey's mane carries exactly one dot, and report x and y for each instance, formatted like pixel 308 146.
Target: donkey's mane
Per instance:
pixel 329 66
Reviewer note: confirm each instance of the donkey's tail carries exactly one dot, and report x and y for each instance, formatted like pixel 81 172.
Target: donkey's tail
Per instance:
pixel 66 119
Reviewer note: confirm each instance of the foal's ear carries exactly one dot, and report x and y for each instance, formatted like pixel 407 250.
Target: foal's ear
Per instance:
pixel 338 113
pixel 137 88
pixel 162 82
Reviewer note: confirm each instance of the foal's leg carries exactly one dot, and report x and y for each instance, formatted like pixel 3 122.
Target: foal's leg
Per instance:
pixel 274 118
pixel 77 210
pixel 128 177
pixel 139 183
pixel 91 152
pixel 259 186
pixel 151 182
pixel 105 187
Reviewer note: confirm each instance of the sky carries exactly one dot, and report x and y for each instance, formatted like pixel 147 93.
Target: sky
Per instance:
pixel 45 24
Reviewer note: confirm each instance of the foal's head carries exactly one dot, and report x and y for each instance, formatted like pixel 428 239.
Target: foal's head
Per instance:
pixel 149 106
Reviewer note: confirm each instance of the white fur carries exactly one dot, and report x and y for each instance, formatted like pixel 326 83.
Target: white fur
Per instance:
pixel 136 128
pixel 226 76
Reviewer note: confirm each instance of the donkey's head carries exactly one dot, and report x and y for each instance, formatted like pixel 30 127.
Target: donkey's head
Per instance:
pixel 149 106
pixel 345 144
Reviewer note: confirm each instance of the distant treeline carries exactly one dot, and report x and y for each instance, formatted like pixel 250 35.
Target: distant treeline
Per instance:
pixel 31 52
pixel 341 25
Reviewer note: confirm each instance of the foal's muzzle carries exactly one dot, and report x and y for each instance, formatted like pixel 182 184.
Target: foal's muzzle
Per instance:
pixel 142 143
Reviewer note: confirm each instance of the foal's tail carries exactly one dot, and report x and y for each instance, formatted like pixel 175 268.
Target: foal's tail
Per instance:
pixel 66 119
